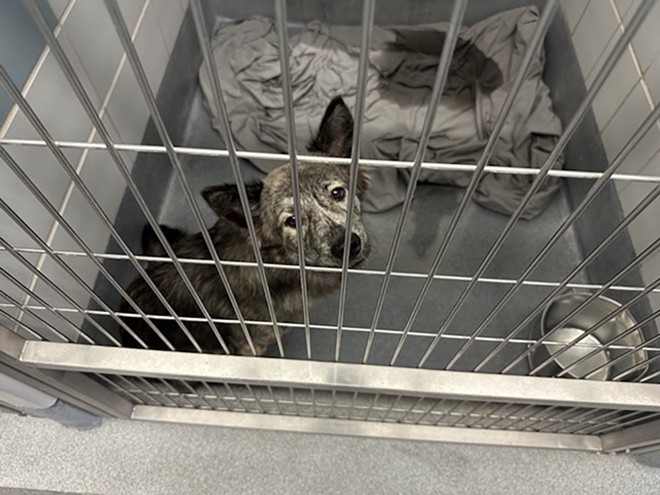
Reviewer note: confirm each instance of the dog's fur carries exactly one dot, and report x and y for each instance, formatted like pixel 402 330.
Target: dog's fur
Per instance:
pixel 271 202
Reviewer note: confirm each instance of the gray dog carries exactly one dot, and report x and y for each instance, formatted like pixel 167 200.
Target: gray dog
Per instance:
pixel 324 203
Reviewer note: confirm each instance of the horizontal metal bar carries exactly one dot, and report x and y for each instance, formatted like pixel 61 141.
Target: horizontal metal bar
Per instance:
pixel 74 388
pixel 283 157
pixel 635 437
pixel 327 269
pixel 333 328
pixel 341 376
pixel 366 428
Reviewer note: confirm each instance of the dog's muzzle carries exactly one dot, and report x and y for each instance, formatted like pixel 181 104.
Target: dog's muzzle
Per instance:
pixel 355 247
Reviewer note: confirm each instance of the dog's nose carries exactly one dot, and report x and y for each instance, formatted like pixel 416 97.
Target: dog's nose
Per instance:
pixel 356 245
pixel 354 249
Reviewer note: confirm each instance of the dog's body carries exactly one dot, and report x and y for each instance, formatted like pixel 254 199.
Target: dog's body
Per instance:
pixel 324 200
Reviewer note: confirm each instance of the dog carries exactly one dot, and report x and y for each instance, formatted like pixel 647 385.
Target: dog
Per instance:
pixel 323 206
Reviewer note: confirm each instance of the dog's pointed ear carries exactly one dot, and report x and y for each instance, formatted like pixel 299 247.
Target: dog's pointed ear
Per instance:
pixel 335 136
pixel 226 203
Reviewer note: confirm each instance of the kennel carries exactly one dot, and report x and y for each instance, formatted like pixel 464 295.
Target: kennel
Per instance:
pixel 437 336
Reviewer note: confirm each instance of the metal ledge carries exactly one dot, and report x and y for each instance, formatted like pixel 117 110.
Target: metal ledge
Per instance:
pixel 74 388
pixel 639 438
pixel 342 376
pixel 396 431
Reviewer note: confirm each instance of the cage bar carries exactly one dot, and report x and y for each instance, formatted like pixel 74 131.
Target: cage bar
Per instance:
pixel 438 87
pixel 532 49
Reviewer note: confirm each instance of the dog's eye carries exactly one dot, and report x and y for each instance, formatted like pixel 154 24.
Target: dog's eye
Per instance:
pixel 290 222
pixel 338 193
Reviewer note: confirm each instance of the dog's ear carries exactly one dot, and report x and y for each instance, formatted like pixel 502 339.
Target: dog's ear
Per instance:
pixel 226 203
pixel 335 136
pixel 151 245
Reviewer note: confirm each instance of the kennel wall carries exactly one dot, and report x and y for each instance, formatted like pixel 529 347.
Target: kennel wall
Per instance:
pixel 62 262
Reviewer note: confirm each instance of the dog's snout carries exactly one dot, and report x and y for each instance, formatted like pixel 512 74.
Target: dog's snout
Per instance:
pixel 354 248
pixel 356 245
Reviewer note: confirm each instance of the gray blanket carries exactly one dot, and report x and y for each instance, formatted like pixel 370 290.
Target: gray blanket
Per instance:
pixel 403 64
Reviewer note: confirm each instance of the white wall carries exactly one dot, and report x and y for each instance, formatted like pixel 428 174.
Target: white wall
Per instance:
pixel 627 97
pixel 91 43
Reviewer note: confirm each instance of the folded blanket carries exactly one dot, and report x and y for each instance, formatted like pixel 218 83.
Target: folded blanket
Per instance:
pixel 403 65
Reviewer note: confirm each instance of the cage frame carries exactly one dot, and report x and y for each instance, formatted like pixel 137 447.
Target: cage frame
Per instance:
pixel 60 368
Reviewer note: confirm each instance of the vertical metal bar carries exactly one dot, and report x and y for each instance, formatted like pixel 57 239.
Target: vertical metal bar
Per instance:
pixel 143 384
pixel 296 406
pixel 213 394
pixel 430 411
pixel 649 251
pixel 558 412
pixel 275 401
pixel 508 416
pixel 18 322
pixel 178 392
pixel 566 224
pixel 17 97
pixel 280 22
pixel 449 412
pixel 586 427
pixel 231 390
pixel 594 254
pixel 34 315
pixel 603 72
pixel 600 419
pixel 61 293
pixel 646 378
pixel 313 401
pixel 479 415
pixel 256 399
pixel 402 419
pixel 118 387
pixel 644 363
pixel 429 118
pixel 608 344
pixel 76 85
pixel 612 314
pixel 205 45
pixel 624 421
pixel 391 408
pixel 32 187
pixel 530 55
pixel 367 413
pixel 47 306
pixel 466 414
pixel 515 418
pixel 352 406
pixel 131 385
pixel 563 140
pixel 576 413
pixel 141 78
pixel 494 414
pixel 368 12
pixel 195 393
pixel 33 235
pixel 642 418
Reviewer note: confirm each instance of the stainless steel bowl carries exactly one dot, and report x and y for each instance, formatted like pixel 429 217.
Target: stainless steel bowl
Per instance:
pixel 563 339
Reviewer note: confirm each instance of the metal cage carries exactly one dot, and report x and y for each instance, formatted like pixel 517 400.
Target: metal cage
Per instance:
pixel 483 389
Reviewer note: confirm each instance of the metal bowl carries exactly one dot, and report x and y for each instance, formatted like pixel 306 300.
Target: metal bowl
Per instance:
pixel 562 339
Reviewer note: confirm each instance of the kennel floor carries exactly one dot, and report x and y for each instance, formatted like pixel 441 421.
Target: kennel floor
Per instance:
pixel 425 228
pixel 129 457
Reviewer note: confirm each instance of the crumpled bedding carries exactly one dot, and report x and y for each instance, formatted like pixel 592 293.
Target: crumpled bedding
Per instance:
pixel 403 64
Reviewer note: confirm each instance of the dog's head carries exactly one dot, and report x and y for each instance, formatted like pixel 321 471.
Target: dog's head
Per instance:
pixel 323 200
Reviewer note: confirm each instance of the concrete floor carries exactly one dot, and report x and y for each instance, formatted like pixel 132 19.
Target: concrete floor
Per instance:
pixel 124 457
